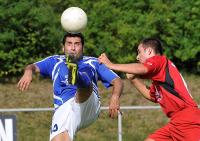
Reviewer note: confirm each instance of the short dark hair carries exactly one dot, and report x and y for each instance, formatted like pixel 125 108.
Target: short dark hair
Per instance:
pixel 69 34
pixel 154 43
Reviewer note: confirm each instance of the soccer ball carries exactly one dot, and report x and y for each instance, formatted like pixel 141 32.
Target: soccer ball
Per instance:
pixel 74 20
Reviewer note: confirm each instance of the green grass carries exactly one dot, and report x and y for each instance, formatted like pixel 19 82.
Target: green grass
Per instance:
pixel 35 126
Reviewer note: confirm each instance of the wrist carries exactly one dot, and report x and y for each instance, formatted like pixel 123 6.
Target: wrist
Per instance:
pixel 131 77
pixel 134 80
pixel 28 71
pixel 115 96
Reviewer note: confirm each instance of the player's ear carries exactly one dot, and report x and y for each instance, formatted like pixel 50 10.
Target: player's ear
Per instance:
pixel 149 50
pixel 63 49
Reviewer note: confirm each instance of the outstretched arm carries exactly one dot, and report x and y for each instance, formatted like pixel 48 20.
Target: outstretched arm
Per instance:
pixel 139 85
pixel 114 105
pixel 26 79
pixel 134 68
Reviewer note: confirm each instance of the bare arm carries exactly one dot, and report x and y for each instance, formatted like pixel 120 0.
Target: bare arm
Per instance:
pixel 114 104
pixel 134 68
pixel 26 79
pixel 139 85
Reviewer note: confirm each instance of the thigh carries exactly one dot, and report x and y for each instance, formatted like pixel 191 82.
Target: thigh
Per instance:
pixel 73 116
pixel 88 111
pixel 193 133
pixel 83 94
pixel 162 134
pixel 186 126
pixel 63 121
pixel 186 132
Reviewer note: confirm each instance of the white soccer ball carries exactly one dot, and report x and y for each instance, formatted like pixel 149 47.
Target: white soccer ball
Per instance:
pixel 74 20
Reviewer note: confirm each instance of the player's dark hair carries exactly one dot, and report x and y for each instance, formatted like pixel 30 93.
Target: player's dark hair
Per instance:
pixel 68 34
pixel 154 43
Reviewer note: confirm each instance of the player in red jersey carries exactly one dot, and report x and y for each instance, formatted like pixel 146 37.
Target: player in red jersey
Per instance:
pixel 168 88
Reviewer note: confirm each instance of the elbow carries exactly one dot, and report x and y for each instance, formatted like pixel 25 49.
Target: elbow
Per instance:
pixel 118 83
pixel 118 80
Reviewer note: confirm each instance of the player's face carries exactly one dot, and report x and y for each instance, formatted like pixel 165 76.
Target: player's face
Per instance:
pixel 143 53
pixel 73 47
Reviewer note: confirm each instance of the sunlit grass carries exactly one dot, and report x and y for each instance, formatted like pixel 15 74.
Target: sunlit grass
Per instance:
pixel 137 124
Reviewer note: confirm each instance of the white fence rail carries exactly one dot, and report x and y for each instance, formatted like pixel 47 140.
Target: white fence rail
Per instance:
pixel 51 109
pixel 102 108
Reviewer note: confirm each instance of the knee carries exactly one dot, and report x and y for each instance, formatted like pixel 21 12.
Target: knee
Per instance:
pixel 64 136
pixel 148 139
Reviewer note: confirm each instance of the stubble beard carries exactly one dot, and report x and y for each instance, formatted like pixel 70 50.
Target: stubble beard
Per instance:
pixel 73 57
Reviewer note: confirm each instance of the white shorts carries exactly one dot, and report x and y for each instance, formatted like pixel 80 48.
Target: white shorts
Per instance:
pixel 72 116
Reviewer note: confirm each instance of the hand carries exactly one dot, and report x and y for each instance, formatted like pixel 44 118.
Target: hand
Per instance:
pixel 25 81
pixel 130 76
pixel 104 59
pixel 114 106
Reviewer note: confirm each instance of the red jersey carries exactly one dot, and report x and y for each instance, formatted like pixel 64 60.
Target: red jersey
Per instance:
pixel 168 87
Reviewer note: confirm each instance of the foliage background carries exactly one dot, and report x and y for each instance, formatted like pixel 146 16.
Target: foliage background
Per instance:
pixel 31 30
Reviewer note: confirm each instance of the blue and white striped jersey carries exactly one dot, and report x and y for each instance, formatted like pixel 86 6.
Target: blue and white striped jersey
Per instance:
pixel 55 67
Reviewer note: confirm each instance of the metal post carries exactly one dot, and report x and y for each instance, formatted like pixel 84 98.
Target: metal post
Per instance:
pixel 119 126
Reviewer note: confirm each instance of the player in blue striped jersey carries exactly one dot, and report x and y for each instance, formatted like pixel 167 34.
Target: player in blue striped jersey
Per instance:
pixel 76 96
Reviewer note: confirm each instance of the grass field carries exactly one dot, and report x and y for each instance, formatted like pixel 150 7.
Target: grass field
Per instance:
pixel 35 126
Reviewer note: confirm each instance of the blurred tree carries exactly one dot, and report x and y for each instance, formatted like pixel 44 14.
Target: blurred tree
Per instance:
pixel 31 30
pixel 28 33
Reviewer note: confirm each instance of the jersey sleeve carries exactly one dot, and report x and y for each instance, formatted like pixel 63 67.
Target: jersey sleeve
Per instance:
pixel 45 66
pixel 152 65
pixel 155 67
pixel 106 75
